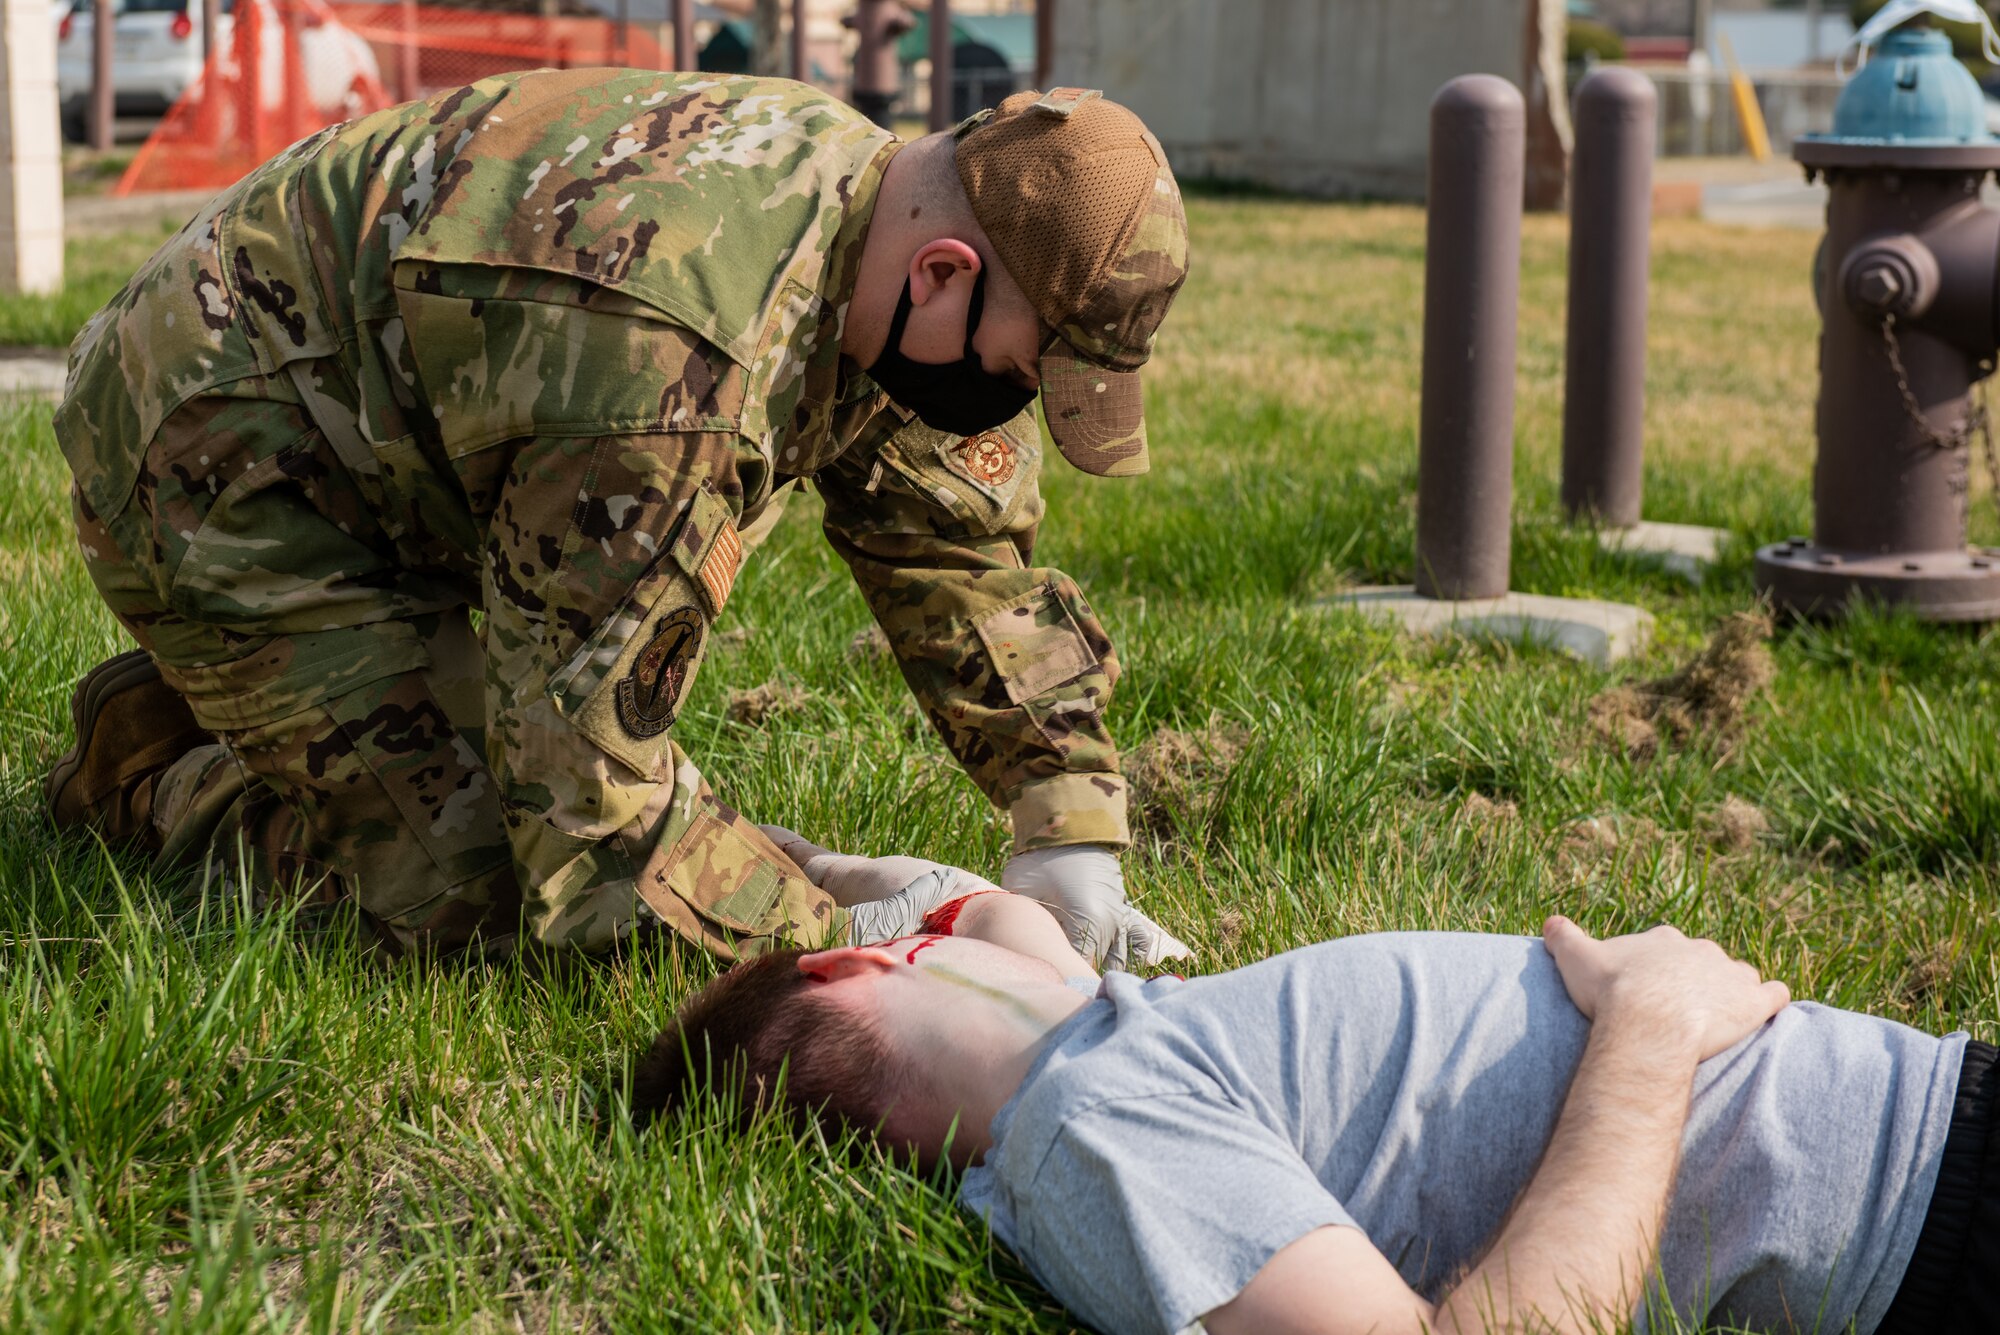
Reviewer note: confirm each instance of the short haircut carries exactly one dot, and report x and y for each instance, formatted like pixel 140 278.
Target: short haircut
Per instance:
pixel 942 208
pixel 938 193
pixel 761 1035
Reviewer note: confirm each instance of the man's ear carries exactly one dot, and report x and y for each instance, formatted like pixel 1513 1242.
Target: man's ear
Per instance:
pixel 830 966
pixel 936 264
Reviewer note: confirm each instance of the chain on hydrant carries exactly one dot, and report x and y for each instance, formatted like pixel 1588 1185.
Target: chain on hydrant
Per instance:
pixel 1978 419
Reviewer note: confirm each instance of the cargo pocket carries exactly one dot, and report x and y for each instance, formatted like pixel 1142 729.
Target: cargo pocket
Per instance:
pixel 624 688
pixel 721 874
pixel 1035 644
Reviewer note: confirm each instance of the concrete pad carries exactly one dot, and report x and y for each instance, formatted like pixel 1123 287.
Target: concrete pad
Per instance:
pixel 1686 550
pixel 1597 632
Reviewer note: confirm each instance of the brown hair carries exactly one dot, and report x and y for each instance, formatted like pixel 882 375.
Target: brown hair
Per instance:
pixel 759 1033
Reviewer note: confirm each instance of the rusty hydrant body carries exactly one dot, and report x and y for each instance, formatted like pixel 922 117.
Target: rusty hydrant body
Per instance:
pixel 1905 281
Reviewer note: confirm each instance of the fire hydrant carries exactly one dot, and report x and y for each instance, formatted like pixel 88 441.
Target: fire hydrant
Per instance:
pixel 1909 323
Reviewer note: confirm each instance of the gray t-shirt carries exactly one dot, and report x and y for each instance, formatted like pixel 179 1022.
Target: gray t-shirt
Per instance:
pixel 1174 1136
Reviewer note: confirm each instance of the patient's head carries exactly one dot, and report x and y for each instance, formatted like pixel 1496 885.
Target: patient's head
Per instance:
pixel 875 1036
pixel 761 1018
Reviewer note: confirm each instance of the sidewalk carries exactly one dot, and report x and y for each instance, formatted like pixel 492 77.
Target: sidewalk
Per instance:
pixel 94 215
pixel 1743 193
pixel 31 373
pixel 1740 193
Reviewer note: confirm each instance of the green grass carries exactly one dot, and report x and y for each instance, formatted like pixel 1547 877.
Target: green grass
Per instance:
pixel 219 1119
pixel 94 268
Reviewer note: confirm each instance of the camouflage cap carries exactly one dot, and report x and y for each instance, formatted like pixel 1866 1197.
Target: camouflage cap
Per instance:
pixel 1076 196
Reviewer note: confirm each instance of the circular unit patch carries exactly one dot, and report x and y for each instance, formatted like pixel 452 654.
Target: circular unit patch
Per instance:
pixel 988 458
pixel 651 692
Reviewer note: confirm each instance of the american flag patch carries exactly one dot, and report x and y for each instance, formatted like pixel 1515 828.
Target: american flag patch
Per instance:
pixel 718 568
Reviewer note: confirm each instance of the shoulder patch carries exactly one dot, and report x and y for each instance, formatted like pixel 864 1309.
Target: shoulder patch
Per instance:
pixel 650 693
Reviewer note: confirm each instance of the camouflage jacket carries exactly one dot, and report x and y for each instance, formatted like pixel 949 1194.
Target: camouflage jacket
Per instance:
pixel 644 275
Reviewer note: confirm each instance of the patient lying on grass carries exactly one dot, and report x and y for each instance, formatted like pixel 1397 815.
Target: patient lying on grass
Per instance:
pixel 1403 1132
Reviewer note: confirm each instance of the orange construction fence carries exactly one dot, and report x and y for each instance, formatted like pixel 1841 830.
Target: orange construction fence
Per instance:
pixel 282 69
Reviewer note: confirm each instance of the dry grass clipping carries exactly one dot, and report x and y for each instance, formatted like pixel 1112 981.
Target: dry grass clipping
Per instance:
pixel 1926 973
pixel 1596 838
pixel 1705 699
pixel 869 646
pixel 1180 772
pixel 1735 826
pixel 760 704
pixel 1481 812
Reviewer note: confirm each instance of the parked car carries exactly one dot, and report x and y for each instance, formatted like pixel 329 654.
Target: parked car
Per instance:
pixel 156 57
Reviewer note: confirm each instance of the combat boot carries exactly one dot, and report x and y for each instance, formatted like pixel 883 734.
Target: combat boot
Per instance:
pixel 130 725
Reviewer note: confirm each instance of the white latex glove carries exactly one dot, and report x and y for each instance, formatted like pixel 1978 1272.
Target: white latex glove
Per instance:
pixel 1083 886
pixel 887 897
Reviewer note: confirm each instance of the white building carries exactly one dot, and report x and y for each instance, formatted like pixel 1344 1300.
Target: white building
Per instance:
pixel 1326 97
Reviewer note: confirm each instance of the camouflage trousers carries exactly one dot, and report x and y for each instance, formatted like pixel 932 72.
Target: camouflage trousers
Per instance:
pixel 350 759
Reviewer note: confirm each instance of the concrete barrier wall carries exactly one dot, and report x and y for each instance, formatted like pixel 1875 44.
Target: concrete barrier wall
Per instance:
pixel 1325 97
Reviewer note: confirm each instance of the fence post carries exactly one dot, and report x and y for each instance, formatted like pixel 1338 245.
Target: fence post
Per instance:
pixel 103 92
pixel 299 112
pixel 249 43
pixel 1472 280
pixel 408 80
pixel 940 20
pixel 208 111
pixel 1045 41
pixel 685 56
pixel 211 22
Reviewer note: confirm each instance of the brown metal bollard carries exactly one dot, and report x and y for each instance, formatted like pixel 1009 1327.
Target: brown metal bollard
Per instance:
pixel 1472 283
pixel 1604 383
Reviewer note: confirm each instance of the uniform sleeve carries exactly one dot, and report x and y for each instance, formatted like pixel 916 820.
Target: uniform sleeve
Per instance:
pixel 601 449
pixel 1145 1213
pixel 607 560
pixel 1008 660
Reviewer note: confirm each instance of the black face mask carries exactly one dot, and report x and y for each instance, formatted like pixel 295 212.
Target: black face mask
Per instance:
pixel 956 397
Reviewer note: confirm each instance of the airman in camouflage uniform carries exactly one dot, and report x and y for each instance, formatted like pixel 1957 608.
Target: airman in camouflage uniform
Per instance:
pixel 544 347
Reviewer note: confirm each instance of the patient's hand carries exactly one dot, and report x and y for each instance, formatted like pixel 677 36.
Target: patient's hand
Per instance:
pixel 1016 922
pixel 1683 987
pixel 851 879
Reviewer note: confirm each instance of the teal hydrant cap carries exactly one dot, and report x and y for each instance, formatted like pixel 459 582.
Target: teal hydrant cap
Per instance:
pixel 1912 91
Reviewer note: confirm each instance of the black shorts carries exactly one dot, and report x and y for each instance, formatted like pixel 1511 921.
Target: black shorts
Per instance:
pixel 1952 1286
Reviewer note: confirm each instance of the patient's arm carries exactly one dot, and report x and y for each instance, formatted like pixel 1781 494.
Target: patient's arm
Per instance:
pixel 1024 926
